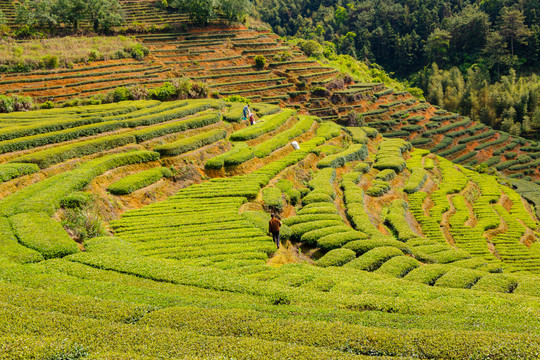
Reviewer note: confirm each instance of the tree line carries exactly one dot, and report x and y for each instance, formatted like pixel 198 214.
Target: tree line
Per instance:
pixel 102 15
pixel 404 36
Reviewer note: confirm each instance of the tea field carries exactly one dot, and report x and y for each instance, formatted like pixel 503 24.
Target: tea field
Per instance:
pixel 390 252
pixel 223 59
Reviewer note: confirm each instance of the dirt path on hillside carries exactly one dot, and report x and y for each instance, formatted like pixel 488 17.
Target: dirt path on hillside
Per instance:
pixel 445 222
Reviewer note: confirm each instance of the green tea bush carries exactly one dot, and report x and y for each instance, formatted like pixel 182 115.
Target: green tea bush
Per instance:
pixel 459 278
pixel 360 247
pixel 378 188
pixel 496 283
pixel 353 153
pixel 138 181
pixel 318 208
pixel 238 156
pixel 191 143
pixel 336 257
pixel 266 124
pixel 415 182
pixel 177 126
pixel 362 168
pixel 312 237
pixel 397 222
pixel 48 157
pixel 374 258
pixel 45 196
pixel 273 199
pixel 13 170
pixel 328 130
pixel 298 230
pixel 427 274
pixel 386 175
pixel 266 148
pixel 76 199
pixel 358 135
pixel 298 219
pixel 11 249
pixel 337 240
pixel 398 266
pixel 41 233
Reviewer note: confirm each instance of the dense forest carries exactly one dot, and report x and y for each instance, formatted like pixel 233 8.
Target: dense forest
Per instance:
pixel 406 35
pixel 477 58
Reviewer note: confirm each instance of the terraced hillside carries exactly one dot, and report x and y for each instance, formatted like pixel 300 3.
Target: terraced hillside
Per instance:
pixel 224 59
pixel 390 251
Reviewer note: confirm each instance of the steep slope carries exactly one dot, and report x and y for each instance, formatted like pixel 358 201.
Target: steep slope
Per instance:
pixel 411 254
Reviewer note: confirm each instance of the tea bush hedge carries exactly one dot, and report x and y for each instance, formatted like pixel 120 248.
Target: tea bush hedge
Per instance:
pixel 191 143
pixel 138 181
pixel 336 257
pixel 43 234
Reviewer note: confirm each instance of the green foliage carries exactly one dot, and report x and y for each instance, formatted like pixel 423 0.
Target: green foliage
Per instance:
pixel 41 233
pixel 191 143
pixel 260 62
pixel 361 247
pixel 14 170
pixel 75 200
pixel 353 153
pixel 417 179
pixel 312 237
pixel 378 188
pixel 338 239
pixel 282 139
pixel 46 158
pixel 138 180
pixel 266 124
pixel 273 199
pixel 10 248
pixel 374 258
pixel 45 196
pixel 398 266
pixel 336 257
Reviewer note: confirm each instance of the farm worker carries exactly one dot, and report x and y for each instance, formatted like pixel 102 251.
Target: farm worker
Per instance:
pixel 295 145
pixel 247 112
pixel 252 119
pixel 273 227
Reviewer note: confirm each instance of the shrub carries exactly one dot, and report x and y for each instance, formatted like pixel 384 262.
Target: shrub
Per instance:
pixel 337 240
pixel 299 219
pixel 415 182
pixel 386 175
pixel 362 246
pixel 312 237
pixel 398 266
pixel 336 257
pixel 283 138
pixel 427 274
pixel 374 258
pixel 260 62
pixel 353 153
pixel 191 143
pixel 273 199
pixel 362 168
pixel 48 157
pixel 139 180
pixel 459 278
pixel 76 199
pixel 10 248
pixel 378 188
pixel 45 195
pixel 496 283
pixel 298 230
pixel 13 170
pixel 318 208
pixel 267 124
pixel 41 233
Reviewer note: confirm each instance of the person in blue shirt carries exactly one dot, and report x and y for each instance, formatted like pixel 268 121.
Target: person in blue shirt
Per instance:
pixel 247 112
